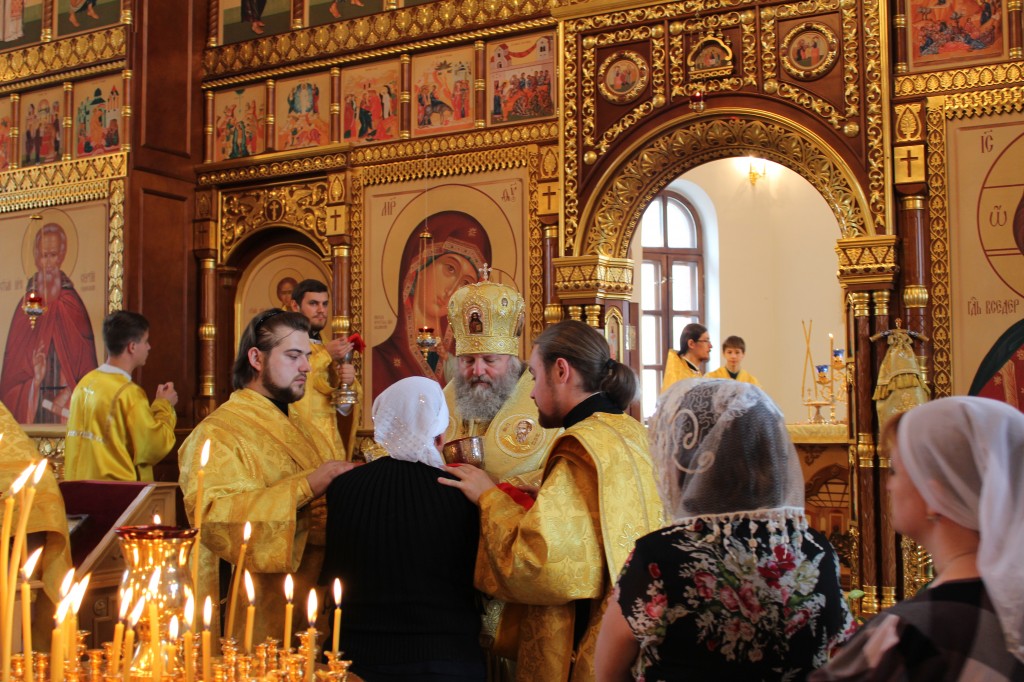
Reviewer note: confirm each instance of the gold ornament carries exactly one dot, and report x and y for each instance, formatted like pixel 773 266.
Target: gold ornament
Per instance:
pixel 486 317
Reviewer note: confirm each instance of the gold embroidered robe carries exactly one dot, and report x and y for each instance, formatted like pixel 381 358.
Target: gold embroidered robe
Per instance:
pixel 514 441
pixel 114 433
pixel 597 497
pixel 315 405
pixel 743 376
pixel 259 460
pixel 677 369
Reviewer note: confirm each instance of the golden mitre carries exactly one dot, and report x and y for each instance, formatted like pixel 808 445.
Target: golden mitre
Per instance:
pixel 486 317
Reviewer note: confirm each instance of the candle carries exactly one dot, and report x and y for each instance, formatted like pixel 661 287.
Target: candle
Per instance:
pixel 26 612
pixel 129 639
pixel 337 615
pixel 190 658
pixel 57 643
pixel 198 513
pixel 172 646
pixel 5 546
pixel 239 567
pixel 250 613
pixel 36 471
pixel 154 639
pixel 207 616
pixel 288 609
pixel 115 651
pixel 77 594
pixel 311 635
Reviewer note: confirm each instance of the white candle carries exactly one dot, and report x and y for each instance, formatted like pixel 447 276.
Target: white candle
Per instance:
pixel 129 639
pixel 5 546
pixel 172 646
pixel 288 610
pixel 239 567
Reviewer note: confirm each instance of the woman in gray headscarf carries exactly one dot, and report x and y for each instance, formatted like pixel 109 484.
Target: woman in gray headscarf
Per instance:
pixel 957 488
pixel 405 549
pixel 738 586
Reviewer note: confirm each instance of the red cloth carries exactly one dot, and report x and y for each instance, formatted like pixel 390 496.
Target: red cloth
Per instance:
pixel 518 496
pixel 66 326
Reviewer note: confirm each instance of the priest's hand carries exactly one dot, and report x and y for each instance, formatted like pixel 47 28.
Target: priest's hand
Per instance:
pixel 473 482
pixel 167 392
pixel 338 348
pixel 325 473
pixel 347 373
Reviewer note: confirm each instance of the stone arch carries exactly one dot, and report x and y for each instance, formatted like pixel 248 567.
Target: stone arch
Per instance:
pixel 648 166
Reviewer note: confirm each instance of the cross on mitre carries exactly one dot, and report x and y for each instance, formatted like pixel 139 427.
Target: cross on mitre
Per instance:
pixel 485 273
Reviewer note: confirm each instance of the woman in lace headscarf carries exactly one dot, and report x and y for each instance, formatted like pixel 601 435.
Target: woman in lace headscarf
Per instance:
pixel 957 488
pixel 404 549
pixel 738 586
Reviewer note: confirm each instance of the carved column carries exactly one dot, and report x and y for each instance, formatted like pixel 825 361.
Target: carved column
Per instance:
pixel 593 312
pixel 865 471
pixel 126 110
pixel 914 226
pixel 205 235
pixel 575 312
pixel 208 129
pixel 337 134
pixel 296 15
pixel 65 123
pixel 14 146
pixel 214 23
pixel 480 85
pixel 405 99
pixel 899 23
pixel 1013 25
pixel 552 308
pixel 271 136
pixel 887 535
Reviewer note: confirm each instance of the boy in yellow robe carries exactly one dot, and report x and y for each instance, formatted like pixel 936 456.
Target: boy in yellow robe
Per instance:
pixel 114 433
pixel 734 349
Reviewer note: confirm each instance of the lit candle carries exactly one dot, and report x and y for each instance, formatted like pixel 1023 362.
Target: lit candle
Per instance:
pixel 288 609
pixel 337 616
pixel 190 658
pixel 207 616
pixel 26 612
pixel 57 642
pixel 115 651
pixel 12 570
pixel 154 639
pixel 77 594
pixel 239 567
pixel 250 613
pixel 129 639
pixel 311 635
pixel 5 546
pixel 198 513
pixel 172 646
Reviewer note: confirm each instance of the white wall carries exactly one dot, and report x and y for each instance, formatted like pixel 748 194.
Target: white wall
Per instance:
pixel 777 266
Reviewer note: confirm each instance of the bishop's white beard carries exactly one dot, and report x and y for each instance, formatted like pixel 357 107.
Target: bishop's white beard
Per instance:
pixel 480 400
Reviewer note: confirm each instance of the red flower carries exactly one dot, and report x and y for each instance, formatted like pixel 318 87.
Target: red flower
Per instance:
pixel 653 569
pixel 705 583
pixel 656 606
pixel 358 345
pixel 728 598
pixel 749 605
pixel 799 619
pixel 773 569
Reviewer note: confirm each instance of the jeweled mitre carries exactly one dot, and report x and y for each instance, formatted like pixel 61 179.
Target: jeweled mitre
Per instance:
pixel 486 317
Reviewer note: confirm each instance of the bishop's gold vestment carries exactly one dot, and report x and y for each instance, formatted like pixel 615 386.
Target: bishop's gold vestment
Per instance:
pixel 514 441
pixel 114 433
pixel 597 497
pixel 677 369
pixel 315 405
pixel 259 461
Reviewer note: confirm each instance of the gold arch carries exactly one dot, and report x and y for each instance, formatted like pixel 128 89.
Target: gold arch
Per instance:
pixel 652 162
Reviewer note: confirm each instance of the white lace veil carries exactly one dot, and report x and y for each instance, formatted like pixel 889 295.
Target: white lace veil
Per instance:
pixel 407 417
pixel 722 453
pixel 966 458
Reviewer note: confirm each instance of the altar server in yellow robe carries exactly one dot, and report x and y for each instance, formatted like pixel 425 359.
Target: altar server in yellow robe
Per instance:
pixel 47 516
pixel 734 349
pixel 329 367
pixel 267 467
pixel 597 496
pixel 686 363
pixel 114 432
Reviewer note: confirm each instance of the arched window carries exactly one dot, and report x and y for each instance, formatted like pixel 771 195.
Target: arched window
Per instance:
pixel 671 284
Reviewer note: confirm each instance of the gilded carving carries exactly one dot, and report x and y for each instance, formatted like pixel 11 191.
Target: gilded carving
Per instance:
pixel 593 276
pixel 658 161
pixel 549 163
pixel 959 79
pixel 867 260
pixel 880 189
pixel 63 182
pixel 51 61
pixel 917 564
pixel 115 247
pixel 496 138
pixel 302 206
pixel 938 214
pixel 678 82
pixel 908 123
pixel 984 103
pixel 274 169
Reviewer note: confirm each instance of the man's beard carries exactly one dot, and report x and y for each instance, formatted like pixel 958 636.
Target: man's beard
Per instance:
pixel 282 394
pixel 481 401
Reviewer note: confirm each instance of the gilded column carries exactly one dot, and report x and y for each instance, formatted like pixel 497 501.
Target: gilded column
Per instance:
pixel 65 123
pixel 127 92
pixel 405 99
pixel 208 128
pixel 46 32
pixel 205 239
pixel 271 115
pixel 575 312
pixel 865 471
pixel 899 23
pixel 214 22
pixel 480 84
pixel 887 534
pixel 14 146
pixel 341 270
pixel 337 134
pixel 296 15
pixel 593 312
pixel 552 308
pixel 1013 25
pixel 126 11
pixel 913 224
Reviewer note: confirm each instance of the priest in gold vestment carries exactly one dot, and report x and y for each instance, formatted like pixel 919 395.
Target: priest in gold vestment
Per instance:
pixel 597 496
pixel 267 467
pixel 685 364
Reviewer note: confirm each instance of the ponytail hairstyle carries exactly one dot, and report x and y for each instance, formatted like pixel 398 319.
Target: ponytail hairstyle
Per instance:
pixel 587 352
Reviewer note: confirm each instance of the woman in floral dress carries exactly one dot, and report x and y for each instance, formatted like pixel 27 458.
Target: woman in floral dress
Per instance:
pixel 738 587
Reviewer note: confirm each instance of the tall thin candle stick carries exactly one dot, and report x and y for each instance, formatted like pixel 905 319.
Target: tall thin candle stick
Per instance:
pixel 115 652
pixel 57 643
pixel 207 664
pixel 26 612
pixel 129 640
pixel 250 612
pixel 239 567
pixel 198 513
pixel 190 654
pixel 337 617
pixel 289 608
pixel 5 548
pixel 12 569
pixel 311 635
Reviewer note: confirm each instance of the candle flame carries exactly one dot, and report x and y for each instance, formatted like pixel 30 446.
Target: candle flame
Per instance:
pixel 172 629
pixel 126 601
pixel 311 607
pixel 137 611
pixel 156 519
pixel 190 611
pixel 78 592
pixel 30 564
pixel 40 468
pixel 289 587
pixel 337 593
pixel 154 582
pixel 207 612
pixel 250 589
pixel 247 532
pixel 19 482
pixel 62 610
pixel 205 456
pixel 65 585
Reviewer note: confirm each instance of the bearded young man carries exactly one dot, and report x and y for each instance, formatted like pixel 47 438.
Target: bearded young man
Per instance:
pixel 267 466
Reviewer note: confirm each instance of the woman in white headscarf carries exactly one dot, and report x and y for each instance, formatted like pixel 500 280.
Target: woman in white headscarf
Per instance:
pixel 957 488
pixel 737 586
pixel 404 549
